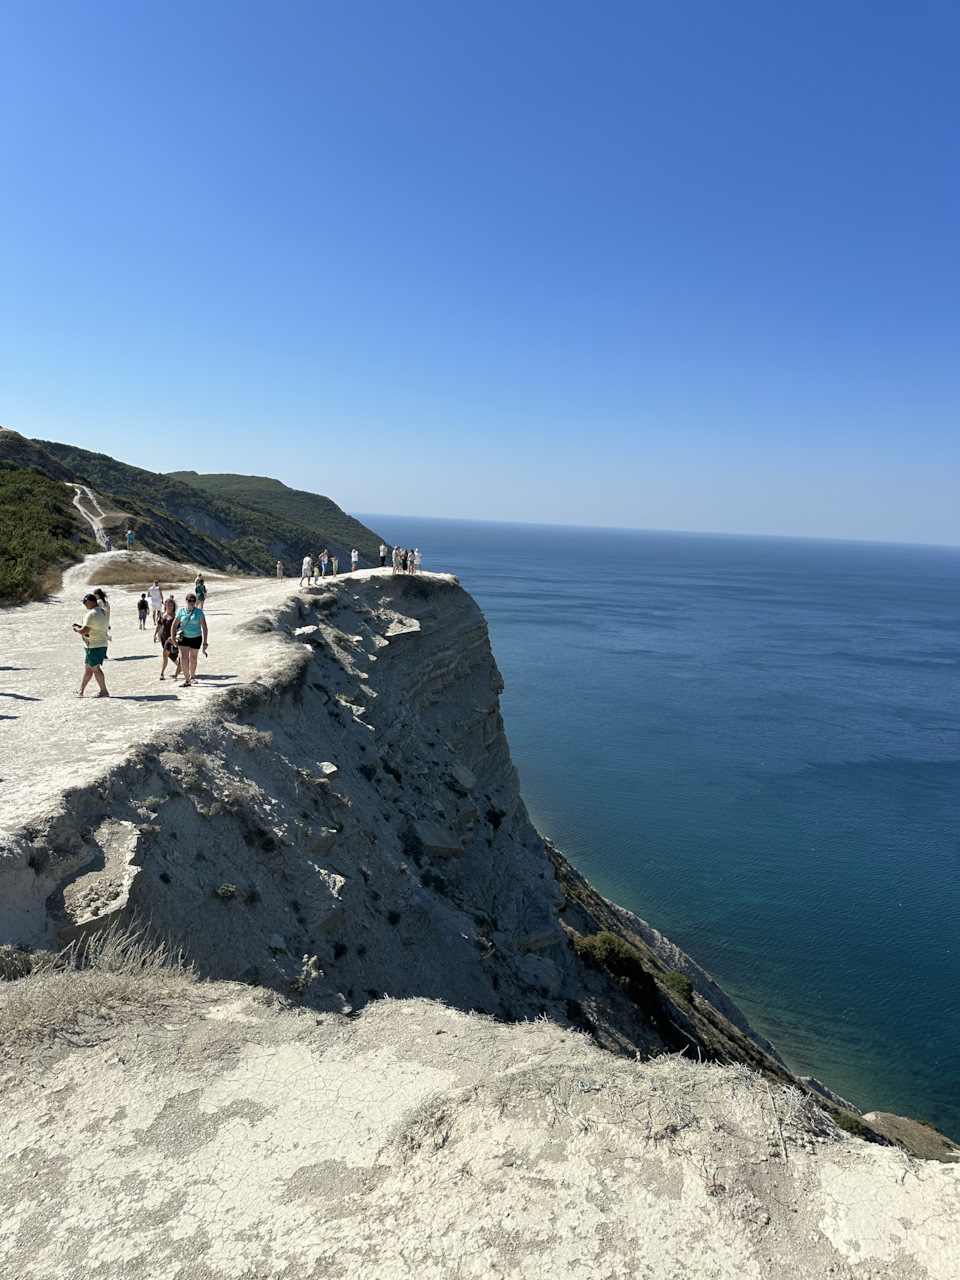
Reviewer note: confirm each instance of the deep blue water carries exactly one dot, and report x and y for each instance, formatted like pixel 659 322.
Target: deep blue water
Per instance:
pixel 754 743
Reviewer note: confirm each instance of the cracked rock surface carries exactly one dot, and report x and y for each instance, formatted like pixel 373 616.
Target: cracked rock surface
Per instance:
pixel 231 1136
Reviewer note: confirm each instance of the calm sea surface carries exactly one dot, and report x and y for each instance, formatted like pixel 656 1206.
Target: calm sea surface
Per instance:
pixel 753 743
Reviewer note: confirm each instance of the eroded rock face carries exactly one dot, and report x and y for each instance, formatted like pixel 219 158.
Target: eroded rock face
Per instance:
pixel 361 805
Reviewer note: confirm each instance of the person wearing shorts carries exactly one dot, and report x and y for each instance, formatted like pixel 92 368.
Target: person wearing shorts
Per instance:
pixel 155 596
pixel 189 631
pixel 306 571
pixel 131 537
pixel 93 629
pixel 143 612
pixel 164 635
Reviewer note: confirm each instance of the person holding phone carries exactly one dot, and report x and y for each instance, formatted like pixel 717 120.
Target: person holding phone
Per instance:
pixel 190 630
pixel 93 631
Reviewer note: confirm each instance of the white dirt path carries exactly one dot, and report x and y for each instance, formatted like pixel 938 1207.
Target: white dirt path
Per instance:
pixel 51 740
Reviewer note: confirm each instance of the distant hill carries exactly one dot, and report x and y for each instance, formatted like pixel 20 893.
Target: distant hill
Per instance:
pixel 253 538
pixel 39 530
pixel 183 521
pixel 311 510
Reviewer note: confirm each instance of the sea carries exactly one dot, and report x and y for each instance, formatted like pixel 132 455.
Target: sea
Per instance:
pixel 754 744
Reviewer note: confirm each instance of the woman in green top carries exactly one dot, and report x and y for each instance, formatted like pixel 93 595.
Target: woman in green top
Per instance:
pixel 189 627
pixel 201 589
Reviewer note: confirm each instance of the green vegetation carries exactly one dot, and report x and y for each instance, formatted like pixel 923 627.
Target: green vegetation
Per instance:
pixel 850 1123
pixel 606 951
pixel 250 537
pixel 309 972
pixel 678 984
pixel 246 525
pixel 37 521
pixel 310 510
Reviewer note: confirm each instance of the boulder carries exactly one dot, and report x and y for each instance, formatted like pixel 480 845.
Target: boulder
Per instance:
pixel 541 973
pixel 322 841
pixel 462 779
pixel 435 841
pixel 538 928
pixel 328 770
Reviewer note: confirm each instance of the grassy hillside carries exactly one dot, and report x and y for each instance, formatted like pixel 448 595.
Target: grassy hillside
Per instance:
pixel 312 510
pixel 248 537
pixel 37 523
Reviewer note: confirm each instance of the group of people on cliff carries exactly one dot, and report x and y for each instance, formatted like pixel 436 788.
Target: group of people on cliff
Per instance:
pixel 312 570
pixel 404 559
pixel 180 632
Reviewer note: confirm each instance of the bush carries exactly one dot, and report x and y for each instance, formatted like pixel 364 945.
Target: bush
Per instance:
pixel 850 1123
pixel 226 892
pixel 606 951
pixel 679 985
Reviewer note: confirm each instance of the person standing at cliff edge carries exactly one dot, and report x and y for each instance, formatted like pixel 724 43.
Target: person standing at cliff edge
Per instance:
pixel 279 568
pixel 131 536
pixel 354 557
pixel 93 631
pixel 306 571
pixel 383 554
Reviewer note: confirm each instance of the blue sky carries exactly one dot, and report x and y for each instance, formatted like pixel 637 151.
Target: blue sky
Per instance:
pixel 682 266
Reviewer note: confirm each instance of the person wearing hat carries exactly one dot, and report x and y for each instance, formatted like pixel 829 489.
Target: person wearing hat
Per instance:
pixel 93 630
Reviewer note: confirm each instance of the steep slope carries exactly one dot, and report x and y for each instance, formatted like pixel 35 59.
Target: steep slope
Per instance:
pixel 312 510
pixel 39 530
pixel 156 530
pixel 249 539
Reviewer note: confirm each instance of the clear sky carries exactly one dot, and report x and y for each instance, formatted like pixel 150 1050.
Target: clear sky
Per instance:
pixel 677 265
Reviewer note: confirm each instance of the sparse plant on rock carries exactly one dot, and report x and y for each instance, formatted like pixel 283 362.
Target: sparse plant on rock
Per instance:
pixel 309 972
pixel 225 892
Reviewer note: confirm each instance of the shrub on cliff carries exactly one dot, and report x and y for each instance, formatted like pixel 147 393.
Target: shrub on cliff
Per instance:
pixel 606 951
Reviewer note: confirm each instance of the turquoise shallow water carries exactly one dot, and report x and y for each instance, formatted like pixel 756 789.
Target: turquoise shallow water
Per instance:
pixel 754 743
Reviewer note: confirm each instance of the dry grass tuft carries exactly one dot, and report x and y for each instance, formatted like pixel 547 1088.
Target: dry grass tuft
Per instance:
pixel 99 976
pixel 121 573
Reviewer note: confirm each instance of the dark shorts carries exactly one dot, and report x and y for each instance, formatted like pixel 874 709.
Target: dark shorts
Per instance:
pixel 94 657
pixel 190 642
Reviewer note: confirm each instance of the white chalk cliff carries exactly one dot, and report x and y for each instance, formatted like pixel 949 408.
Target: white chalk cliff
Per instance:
pixel 415 1077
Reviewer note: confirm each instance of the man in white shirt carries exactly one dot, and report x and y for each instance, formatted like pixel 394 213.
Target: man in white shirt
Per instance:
pixel 306 571
pixel 383 554
pixel 155 596
pixel 354 557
